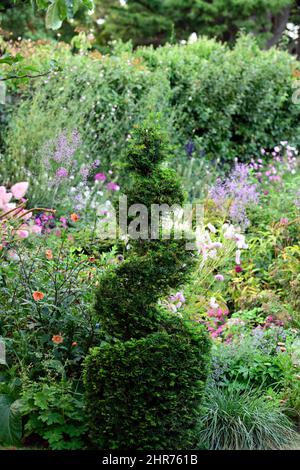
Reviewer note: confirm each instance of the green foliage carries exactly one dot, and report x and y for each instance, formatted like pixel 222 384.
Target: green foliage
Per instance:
pixel 247 364
pixel 244 421
pixel 10 409
pixel 229 103
pixel 54 412
pixel 156 22
pixel 10 421
pixel 233 102
pixel 155 364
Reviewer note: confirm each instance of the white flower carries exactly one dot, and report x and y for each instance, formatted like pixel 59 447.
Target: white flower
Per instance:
pixel 211 228
pixel 213 303
pixel 238 257
pixel 240 241
pixel 215 245
pixel 230 232
pixel 193 38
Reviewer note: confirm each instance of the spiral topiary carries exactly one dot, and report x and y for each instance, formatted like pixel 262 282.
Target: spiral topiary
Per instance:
pixel 144 387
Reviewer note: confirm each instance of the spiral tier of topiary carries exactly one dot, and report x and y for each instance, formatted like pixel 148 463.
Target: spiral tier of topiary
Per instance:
pixel 144 387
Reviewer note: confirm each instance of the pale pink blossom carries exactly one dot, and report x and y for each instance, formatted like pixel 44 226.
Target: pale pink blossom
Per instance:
pixel 19 189
pixel 22 233
pixel 36 229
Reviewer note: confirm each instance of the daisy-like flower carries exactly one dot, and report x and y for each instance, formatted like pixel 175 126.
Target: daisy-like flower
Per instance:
pixel 49 254
pixel 75 217
pixel 57 339
pixel 37 296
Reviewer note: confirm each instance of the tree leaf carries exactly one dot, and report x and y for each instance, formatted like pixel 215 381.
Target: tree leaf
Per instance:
pixel 53 19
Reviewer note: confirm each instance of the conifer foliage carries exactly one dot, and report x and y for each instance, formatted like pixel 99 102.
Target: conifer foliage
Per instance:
pixel 144 386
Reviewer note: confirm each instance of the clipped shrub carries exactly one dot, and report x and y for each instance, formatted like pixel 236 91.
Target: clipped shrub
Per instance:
pixel 144 386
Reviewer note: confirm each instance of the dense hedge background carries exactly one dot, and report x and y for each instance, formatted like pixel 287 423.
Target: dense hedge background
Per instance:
pixel 217 103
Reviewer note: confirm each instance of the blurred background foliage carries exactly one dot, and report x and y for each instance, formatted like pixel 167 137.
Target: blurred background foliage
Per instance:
pixel 156 22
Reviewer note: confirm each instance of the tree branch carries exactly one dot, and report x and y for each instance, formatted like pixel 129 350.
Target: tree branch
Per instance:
pixel 15 77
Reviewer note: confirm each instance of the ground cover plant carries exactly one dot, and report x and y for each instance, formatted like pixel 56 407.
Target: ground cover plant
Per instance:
pixel 110 340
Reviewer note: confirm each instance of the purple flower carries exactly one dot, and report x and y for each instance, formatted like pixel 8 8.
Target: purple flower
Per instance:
pixel 219 277
pixel 61 173
pixel 61 151
pixel 239 191
pixel 112 186
pixel 84 172
pixel 100 177
pixel 190 147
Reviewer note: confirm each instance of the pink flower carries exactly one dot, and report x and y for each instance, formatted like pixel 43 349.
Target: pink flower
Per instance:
pixel 64 222
pixel 100 177
pixel 113 186
pixel 19 189
pixel 36 229
pixel 219 277
pixel 22 233
pixel 219 313
pixel 5 197
pixel 217 332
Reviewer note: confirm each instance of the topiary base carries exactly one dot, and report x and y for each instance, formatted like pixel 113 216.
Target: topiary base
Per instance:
pixel 146 393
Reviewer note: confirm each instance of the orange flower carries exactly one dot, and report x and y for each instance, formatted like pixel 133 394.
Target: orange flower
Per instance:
pixel 75 217
pixel 38 296
pixel 49 254
pixel 57 339
pixel 74 344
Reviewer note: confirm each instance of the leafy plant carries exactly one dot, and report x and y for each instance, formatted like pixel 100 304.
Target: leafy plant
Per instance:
pixel 10 408
pixel 54 412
